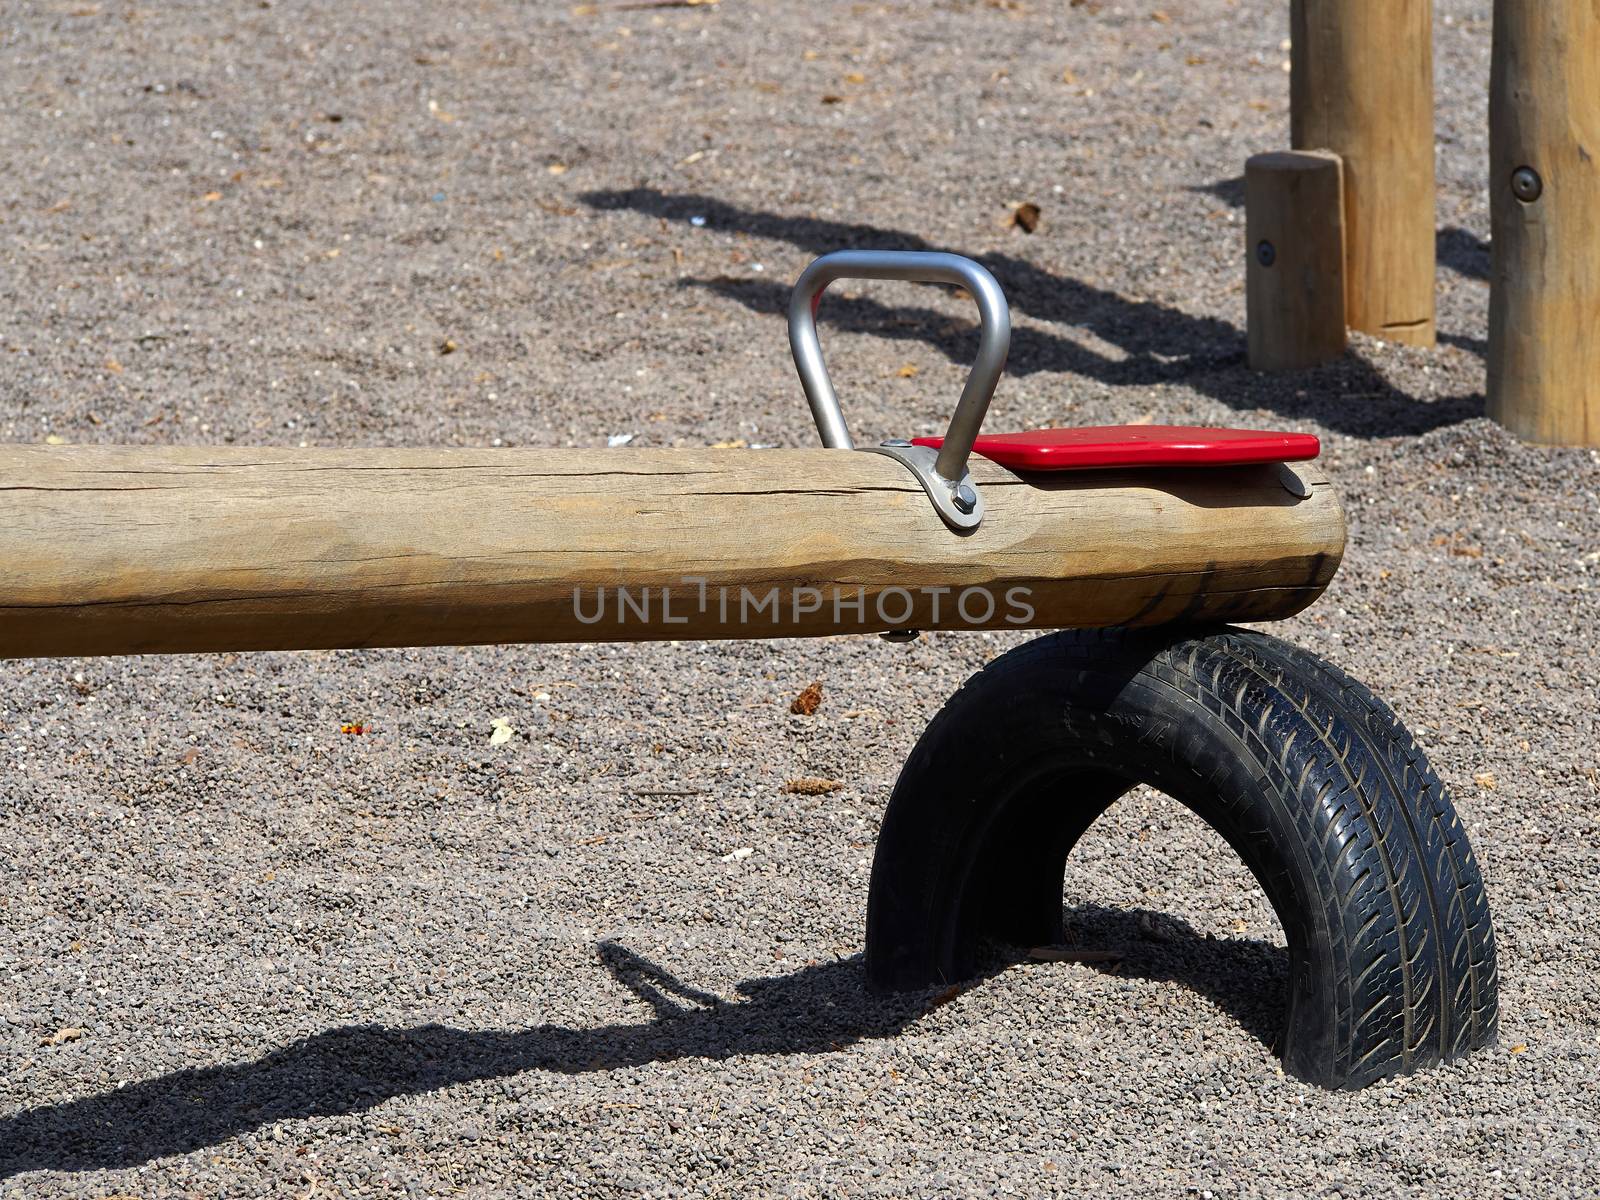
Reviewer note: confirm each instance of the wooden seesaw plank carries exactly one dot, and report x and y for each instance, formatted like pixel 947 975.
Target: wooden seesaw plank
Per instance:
pixel 130 550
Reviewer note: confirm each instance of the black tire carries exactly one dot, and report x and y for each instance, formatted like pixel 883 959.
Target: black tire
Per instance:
pixel 1305 773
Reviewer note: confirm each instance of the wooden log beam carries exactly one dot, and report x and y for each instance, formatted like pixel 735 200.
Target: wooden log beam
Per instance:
pixel 118 550
pixel 1544 190
pixel 1294 235
pixel 1361 85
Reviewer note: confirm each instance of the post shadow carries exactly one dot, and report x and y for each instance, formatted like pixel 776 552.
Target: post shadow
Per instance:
pixel 814 1010
pixel 1464 252
pixel 1158 344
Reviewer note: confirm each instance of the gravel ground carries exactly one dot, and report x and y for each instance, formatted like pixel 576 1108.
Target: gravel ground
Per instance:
pixel 244 954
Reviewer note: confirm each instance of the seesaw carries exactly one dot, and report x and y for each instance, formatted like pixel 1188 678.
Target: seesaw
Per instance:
pixel 1145 540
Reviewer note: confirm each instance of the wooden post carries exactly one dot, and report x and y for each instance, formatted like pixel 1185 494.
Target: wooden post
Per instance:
pixel 1361 85
pixel 1294 234
pixel 126 550
pixel 1544 191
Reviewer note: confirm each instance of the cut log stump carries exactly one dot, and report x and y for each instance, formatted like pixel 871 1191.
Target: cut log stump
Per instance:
pixel 1294 202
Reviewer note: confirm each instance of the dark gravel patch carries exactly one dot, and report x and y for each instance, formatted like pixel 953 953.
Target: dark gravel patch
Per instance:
pixel 304 963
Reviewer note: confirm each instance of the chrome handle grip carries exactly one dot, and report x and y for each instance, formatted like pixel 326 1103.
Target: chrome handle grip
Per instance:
pixel 994 341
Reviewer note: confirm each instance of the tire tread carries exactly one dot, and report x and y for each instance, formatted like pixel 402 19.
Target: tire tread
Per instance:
pixel 1309 776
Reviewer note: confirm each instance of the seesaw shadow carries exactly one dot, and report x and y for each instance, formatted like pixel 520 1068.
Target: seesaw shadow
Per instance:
pixel 814 1010
pixel 1155 343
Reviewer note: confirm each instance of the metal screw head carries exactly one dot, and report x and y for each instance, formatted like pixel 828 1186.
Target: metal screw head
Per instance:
pixel 1266 253
pixel 964 498
pixel 1526 184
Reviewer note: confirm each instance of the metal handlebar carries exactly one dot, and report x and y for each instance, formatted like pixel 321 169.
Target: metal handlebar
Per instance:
pixel 943 475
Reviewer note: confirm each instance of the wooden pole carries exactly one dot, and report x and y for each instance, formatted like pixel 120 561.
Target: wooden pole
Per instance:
pixel 1361 85
pixel 1544 191
pixel 1294 234
pixel 107 550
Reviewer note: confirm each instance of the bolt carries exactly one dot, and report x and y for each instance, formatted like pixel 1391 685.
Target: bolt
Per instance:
pixel 895 443
pixel 1292 483
pixel 1266 253
pixel 1526 184
pixel 964 498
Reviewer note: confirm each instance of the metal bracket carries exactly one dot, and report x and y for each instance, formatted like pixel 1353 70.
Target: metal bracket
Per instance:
pixel 960 505
pixel 943 473
pixel 1292 483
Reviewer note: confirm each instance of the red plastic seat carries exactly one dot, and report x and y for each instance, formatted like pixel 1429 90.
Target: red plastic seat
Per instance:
pixel 1138 446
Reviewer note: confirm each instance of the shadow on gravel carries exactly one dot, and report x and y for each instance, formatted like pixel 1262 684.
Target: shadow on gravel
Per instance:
pixel 815 1010
pixel 1464 252
pixel 1461 250
pixel 1246 978
pixel 1144 343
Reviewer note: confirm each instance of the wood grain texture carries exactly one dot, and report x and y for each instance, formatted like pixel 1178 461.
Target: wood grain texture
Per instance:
pixel 113 550
pixel 1361 85
pixel 1544 306
pixel 1294 202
